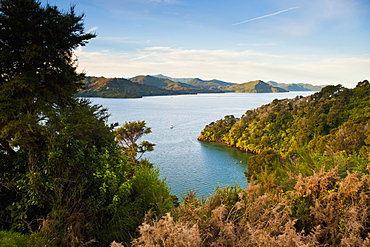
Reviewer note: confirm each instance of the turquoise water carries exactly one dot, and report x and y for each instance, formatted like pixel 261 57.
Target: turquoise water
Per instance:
pixel 186 163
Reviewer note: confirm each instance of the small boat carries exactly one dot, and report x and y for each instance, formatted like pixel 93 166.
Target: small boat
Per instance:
pixel 171 126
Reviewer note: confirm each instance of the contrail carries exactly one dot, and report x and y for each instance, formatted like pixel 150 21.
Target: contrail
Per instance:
pixel 264 16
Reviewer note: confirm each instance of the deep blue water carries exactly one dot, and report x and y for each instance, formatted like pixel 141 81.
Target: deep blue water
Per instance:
pixel 186 163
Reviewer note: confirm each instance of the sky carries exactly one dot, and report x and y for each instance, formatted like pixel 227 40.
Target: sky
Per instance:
pixel 287 41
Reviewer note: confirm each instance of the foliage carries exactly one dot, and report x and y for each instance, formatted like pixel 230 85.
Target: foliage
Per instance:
pixel 38 82
pixel 36 54
pixel 286 134
pixel 63 175
pixel 332 120
pixel 309 182
pixel 129 134
pixel 327 208
pixel 66 186
pixel 15 239
pixel 266 162
pixel 215 131
pixel 147 193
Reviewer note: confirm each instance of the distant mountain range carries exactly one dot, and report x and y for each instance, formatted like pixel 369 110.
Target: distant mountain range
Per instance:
pixel 174 86
pixel 146 85
pixel 296 86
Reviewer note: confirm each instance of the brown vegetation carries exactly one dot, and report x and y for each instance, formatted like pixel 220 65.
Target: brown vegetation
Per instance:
pixel 325 209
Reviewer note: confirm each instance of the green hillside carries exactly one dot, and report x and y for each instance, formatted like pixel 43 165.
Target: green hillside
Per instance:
pixel 208 84
pixel 252 87
pixel 295 86
pixel 183 80
pixel 118 88
pixel 151 81
pixel 145 85
pixel 176 87
pixel 136 87
pixel 335 119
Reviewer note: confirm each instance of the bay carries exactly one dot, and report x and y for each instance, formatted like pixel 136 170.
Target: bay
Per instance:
pixel 176 122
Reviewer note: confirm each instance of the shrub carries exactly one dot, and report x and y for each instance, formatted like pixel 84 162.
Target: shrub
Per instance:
pixel 324 209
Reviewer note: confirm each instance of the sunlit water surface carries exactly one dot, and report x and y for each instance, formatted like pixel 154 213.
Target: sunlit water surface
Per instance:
pixel 186 163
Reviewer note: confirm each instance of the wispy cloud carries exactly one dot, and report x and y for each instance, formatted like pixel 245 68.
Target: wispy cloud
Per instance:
pixel 227 65
pixel 264 16
pixel 92 29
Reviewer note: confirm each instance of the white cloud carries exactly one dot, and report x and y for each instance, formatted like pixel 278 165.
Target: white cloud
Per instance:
pixel 227 65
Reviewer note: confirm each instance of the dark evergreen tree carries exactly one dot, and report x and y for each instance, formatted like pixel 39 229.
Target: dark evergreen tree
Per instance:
pixel 57 155
pixel 61 169
pixel 37 68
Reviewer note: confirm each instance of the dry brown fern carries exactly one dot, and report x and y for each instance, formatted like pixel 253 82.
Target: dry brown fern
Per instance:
pixel 324 209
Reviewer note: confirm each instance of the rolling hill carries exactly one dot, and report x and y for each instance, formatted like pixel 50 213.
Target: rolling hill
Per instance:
pixel 253 87
pixel 118 88
pixel 151 81
pixel 136 87
pixel 208 84
pixel 167 84
pixel 296 86
pixel 183 80
pixel 146 85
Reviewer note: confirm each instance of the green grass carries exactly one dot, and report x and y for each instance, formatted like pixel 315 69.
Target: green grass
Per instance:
pixel 15 239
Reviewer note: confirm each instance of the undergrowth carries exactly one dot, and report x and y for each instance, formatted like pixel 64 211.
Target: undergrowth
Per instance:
pixel 15 239
pixel 328 207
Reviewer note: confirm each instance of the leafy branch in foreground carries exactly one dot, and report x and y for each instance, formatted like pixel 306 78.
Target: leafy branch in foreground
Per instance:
pixel 129 134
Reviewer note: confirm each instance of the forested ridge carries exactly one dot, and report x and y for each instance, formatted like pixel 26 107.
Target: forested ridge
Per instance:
pixel 333 120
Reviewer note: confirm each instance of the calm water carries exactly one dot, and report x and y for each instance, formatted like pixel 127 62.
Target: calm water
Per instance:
pixel 186 163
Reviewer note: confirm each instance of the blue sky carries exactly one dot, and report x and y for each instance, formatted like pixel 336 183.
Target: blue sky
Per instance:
pixel 310 41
